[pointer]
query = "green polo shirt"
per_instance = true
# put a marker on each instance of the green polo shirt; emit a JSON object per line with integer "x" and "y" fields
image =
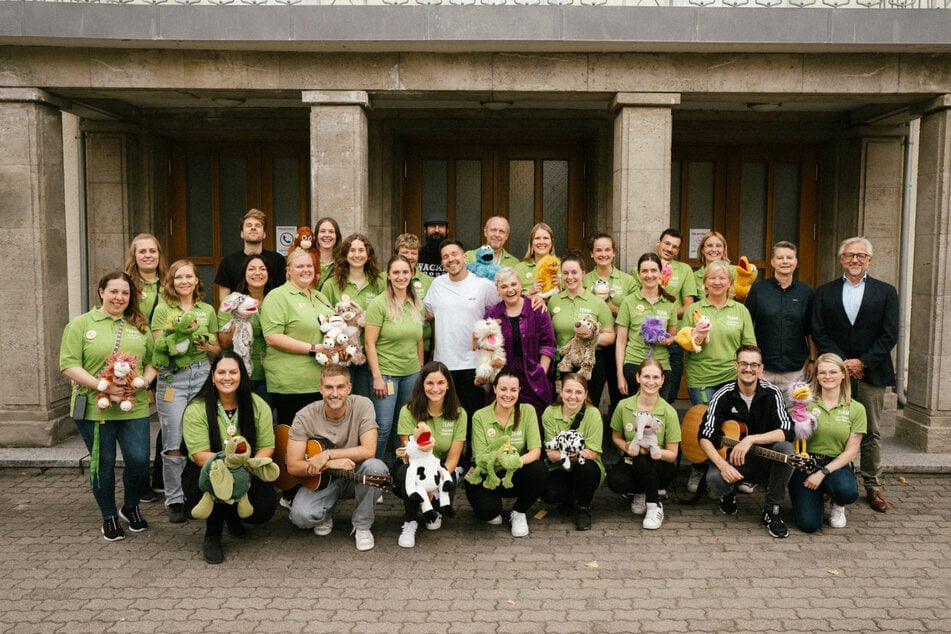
{"x": 362, "y": 295}
{"x": 698, "y": 279}
{"x": 682, "y": 282}
{"x": 258, "y": 345}
{"x": 507, "y": 259}
{"x": 623, "y": 420}
{"x": 732, "y": 327}
{"x": 88, "y": 341}
{"x": 396, "y": 345}
{"x": 485, "y": 429}
{"x": 565, "y": 311}
{"x": 421, "y": 283}
{"x": 326, "y": 268}
{"x": 195, "y": 426}
{"x": 444, "y": 431}
{"x": 149, "y": 297}
{"x": 289, "y": 310}
{"x": 591, "y": 428}
{"x": 620, "y": 283}
{"x": 834, "y": 426}
{"x": 204, "y": 313}
{"x": 633, "y": 313}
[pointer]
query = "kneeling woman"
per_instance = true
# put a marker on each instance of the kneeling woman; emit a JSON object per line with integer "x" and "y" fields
{"x": 574, "y": 487}
{"x": 226, "y": 398}
{"x": 834, "y": 444}
{"x": 506, "y": 418}
{"x": 641, "y": 471}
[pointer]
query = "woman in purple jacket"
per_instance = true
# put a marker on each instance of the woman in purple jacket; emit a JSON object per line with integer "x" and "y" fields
{"x": 529, "y": 340}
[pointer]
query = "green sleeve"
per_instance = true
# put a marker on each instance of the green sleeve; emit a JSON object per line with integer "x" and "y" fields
{"x": 624, "y": 313}
{"x": 406, "y": 423}
{"x": 592, "y": 429}
{"x": 461, "y": 426}
{"x": 264, "y": 423}
{"x": 479, "y": 442}
{"x": 71, "y": 348}
{"x": 376, "y": 311}
{"x": 550, "y": 422}
{"x": 195, "y": 428}
{"x": 533, "y": 439}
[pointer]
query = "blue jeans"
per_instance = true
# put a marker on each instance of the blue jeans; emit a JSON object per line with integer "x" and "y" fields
{"x": 186, "y": 383}
{"x": 809, "y": 505}
{"x": 133, "y": 439}
{"x": 311, "y": 508}
{"x": 362, "y": 380}
{"x": 701, "y": 395}
{"x": 387, "y": 409}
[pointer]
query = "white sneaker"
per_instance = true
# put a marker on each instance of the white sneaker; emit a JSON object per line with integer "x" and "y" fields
{"x": 364, "y": 538}
{"x": 654, "y": 517}
{"x": 284, "y": 502}
{"x": 323, "y": 529}
{"x": 837, "y": 516}
{"x": 379, "y": 500}
{"x": 661, "y": 494}
{"x": 746, "y": 487}
{"x": 693, "y": 483}
{"x": 495, "y": 521}
{"x": 639, "y": 504}
{"x": 434, "y": 525}
{"x": 519, "y": 524}
{"x": 407, "y": 535}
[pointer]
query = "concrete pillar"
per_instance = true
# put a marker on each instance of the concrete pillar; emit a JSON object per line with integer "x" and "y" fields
{"x": 339, "y": 157}
{"x": 33, "y": 393}
{"x": 641, "y": 171}
{"x": 926, "y": 419}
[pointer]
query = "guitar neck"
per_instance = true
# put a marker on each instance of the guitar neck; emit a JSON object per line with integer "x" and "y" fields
{"x": 756, "y": 450}
{"x": 379, "y": 482}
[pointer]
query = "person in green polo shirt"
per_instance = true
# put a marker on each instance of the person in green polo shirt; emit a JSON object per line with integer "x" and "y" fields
{"x": 407, "y": 245}
{"x": 496, "y": 232}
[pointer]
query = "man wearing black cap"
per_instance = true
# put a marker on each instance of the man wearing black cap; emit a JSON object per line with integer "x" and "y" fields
{"x": 430, "y": 260}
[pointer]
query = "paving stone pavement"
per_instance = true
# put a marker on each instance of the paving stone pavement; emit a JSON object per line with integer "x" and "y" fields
{"x": 701, "y": 572}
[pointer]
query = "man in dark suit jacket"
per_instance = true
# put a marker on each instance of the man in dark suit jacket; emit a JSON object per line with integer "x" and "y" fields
{"x": 856, "y": 317}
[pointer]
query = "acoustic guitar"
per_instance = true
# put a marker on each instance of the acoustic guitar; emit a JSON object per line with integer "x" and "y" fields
{"x": 730, "y": 434}
{"x": 315, "y": 446}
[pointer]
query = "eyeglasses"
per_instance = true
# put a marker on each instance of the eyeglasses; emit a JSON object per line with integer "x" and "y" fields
{"x": 746, "y": 364}
{"x": 861, "y": 257}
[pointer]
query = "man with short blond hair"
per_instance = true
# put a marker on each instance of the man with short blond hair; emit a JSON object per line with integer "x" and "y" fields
{"x": 231, "y": 270}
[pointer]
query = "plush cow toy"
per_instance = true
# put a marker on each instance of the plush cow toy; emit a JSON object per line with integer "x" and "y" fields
{"x": 119, "y": 370}
{"x": 242, "y": 309}
{"x": 570, "y": 443}
{"x": 426, "y": 478}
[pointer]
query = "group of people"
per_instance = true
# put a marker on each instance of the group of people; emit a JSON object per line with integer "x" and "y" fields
{"x": 421, "y": 368}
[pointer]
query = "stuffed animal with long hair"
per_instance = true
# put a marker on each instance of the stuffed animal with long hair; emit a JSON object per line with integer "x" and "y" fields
{"x": 804, "y": 421}
{"x": 119, "y": 371}
{"x": 490, "y": 350}
{"x": 653, "y": 332}
{"x": 546, "y": 272}
{"x": 242, "y": 309}
{"x": 484, "y": 265}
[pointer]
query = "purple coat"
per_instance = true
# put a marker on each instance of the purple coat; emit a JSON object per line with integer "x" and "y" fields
{"x": 538, "y": 338}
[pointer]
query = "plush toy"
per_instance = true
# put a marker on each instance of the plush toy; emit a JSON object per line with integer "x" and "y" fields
{"x": 306, "y": 241}
{"x": 570, "y": 443}
{"x": 242, "y": 308}
{"x": 546, "y": 272}
{"x": 351, "y": 352}
{"x": 646, "y": 435}
{"x": 601, "y": 289}
{"x": 502, "y": 455}
{"x": 691, "y": 338}
{"x": 804, "y": 421}
{"x": 426, "y": 478}
{"x": 666, "y": 272}
{"x": 484, "y": 265}
{"x": 119, "y": 370}
{"x": 226, "y": 478}
{"x": 176, "y": 338}
{"x": 490, "y": 350}
{"x": 579, "y": 351}
{"x": 653, "y": 332}
{"x": 746, "y": 273}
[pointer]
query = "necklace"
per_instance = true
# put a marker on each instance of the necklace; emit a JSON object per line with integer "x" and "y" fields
{"x": 229, "y": 415}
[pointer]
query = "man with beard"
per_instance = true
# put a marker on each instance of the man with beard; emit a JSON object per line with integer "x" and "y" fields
{"x": 430, "y": 261}
{"x": 231, "y": 270}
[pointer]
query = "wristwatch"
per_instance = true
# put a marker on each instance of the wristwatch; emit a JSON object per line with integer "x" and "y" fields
{"x": 313, "y": 350}
{"x": 825, "y": 471}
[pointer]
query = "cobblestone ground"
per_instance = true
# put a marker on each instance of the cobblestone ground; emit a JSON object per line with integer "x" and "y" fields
{"x": 701, "y": 572}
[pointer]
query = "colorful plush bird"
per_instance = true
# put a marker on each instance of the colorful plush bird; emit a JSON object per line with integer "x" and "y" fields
{"x": 746, "y": 273}
{"x": 804, "y": 421}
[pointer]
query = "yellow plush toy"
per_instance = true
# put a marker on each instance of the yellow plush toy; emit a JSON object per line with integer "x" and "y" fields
{"x": 547, "y": 274}
{"x": 746, "y": 273}
{"x": 691, "y": 338}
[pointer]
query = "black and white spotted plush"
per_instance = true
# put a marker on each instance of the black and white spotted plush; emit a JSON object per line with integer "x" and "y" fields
{"x": 570, "y": 443}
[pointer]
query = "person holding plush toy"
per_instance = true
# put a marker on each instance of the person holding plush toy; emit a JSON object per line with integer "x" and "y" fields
{"x": 541, "y": 242}
{"x": 394, "y": 346}
{"x": 433, "y": 401}
{"x": 574, "y": 487}
{"x": 515, "y": 422}
{"x": 182, "y": 377}
{"x": 88, "y": 341}
{"x": 645, "y": 466}
{"x": 225, "y": 408}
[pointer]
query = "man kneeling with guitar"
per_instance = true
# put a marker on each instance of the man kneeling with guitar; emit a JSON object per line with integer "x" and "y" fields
{"x": 341, "y": 462}
{"x": 759, "y": 405}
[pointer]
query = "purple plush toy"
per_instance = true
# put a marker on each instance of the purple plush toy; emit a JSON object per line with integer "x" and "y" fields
{"x": 653, "y": 331}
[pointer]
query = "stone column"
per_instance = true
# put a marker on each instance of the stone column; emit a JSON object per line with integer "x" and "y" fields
{"x": 339, "y": 157}
{"x": 642, "y": 139}
{"x": 33, "y": 393}
{"x": 926, "y": 419}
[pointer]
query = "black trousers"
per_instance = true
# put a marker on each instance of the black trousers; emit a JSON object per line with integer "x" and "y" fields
{"x": 642, "y": 474}
{"x": 579, "y": 483}
{"x": 527, "y": 485}
{"x": 262, "y": 496}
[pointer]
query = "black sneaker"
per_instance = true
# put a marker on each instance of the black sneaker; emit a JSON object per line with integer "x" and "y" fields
{"x": 147, "y": 494}
{"x": 211, "y": 549}
{"x": 773, "y": 521}
{"x": 235, "y": 526}
{"x": 728, "y": 505}
{"x": 133, "y": 518}
{"x": 176, "y": 513}
{"x": 111, "y": 530}
{"x": 583, "y": 519}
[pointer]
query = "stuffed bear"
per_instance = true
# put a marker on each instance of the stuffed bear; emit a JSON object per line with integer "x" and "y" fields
{"x": 355, "y": 319}
{"x": 426, "y": 478}
{"x": 226, "y": 478}
{"x": 580, "y": 349}
{"x": 306, "y": 240}
{"x": 546, "y": 272}
{"x": 242, "y": 308}
{"x": 500, "y": 454}
{"x": 484, "y": 265}
{"x": 570, "y": 443}
{"x": 804, "y": 421}
{"x": 177, "y": 337}
{"x": 646, "y": 435}
{"x": 119, "y": 370}
{"x": 746, "y": 273}
{"x": 691, "y": 338}
{"x": 653, "y": 332}
{"x": 490, "y": 350}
